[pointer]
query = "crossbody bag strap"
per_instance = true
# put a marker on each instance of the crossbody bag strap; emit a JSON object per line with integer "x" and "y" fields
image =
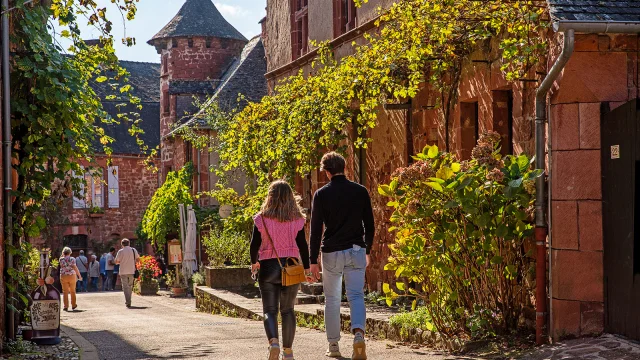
{"x": 270, "y": 239}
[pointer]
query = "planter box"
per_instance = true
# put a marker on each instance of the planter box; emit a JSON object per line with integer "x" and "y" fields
{"x": 228, "y": 277}
{"x": 147, "y": 288}
{"x": 96, "y": 215}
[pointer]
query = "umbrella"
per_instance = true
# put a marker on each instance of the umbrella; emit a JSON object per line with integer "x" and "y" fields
{"x": 189, "y": 263}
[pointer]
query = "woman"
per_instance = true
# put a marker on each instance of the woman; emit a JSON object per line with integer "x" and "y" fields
{"x": 284, "y": 221}
{"x": 69, "y": 275}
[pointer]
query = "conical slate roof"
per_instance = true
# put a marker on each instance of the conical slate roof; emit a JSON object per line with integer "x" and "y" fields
{"x": 198, "y": 18}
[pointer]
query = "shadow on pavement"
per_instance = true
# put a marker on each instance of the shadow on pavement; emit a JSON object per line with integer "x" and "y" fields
{"x": 133, "y": 307}
{"x": 115, "y": 347}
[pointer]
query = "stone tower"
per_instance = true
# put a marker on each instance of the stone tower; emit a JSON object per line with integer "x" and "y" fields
{"x": 196, "y": 48}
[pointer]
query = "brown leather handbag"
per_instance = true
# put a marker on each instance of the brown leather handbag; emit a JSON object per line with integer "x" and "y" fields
{"x": 291, "y": 274}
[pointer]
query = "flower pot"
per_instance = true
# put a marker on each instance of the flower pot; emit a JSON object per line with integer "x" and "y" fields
{"x": 95, "y": 215}
{"x": 179, "y": 291}
{"x": 228, "y": 277}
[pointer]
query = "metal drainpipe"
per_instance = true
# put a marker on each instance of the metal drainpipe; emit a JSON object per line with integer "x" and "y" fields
{"x": 199, "y": 204}
{"x": 6, "y": 153}
{"x": 541, "y": 221}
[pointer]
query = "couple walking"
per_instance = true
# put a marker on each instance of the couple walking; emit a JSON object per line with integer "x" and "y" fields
{"x": 343, "y": 209}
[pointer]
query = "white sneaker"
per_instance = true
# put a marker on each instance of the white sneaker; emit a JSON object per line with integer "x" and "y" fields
{"x": 334, "y": 350}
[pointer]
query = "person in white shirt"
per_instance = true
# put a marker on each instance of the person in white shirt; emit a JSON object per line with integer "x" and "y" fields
{"x": 127, "y": 258}
{"x": 108, "y": 284}
{"x": 83, "y": 265}
{"x": 94, "y": 272}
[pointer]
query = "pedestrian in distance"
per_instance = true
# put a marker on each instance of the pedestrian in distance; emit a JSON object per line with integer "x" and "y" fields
{"x": 343, "y": 210}
{"x": 116, "y": 271}
{"x": 94, "y": 273}
{"x": 69, "y": 275}
{"x": 109, "y": 266}
{"x": 83, "y": 265}
{"x": 278, "y": 237}
{"x": 127, "y": 258}
{"x": 103, "y": 270}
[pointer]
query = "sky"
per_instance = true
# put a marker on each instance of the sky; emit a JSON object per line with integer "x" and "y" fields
{"x": 154, "y": 14}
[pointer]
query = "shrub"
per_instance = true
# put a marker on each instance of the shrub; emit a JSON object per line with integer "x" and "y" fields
{"x": 420, "y": 318}
{"x": 227, "y": 247}
{"x": 462, "y": 237}
{"x": 198, "y": 279}
{"x": 149, "y": 268}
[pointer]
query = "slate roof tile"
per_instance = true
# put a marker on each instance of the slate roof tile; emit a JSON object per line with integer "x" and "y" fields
{"x": 590, "y": 10}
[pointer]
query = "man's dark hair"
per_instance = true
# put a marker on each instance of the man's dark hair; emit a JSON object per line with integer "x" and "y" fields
{"x": 333, "y": 163}
{"x": 112, "y": 249}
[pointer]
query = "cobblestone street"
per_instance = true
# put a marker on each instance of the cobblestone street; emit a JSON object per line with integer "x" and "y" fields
{"x": 606, "y": 347}
{"x": 159, "y": 327}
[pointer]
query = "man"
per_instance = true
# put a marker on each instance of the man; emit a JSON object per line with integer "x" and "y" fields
{"x": 127, "y": 258}
{"x": 94, "y": 272}
{"x": 344, "y": 209}
{"x": 110, "y": 264}
{"x": 83, "y": 266}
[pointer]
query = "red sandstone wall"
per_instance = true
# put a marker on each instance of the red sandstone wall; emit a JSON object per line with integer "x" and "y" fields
{"x": 189, "y": 61}
{"x": 603, "y": 69}
{"x": 137, "y": 185}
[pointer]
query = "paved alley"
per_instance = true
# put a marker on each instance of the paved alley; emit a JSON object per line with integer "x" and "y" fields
{"x": 163, "y": 328}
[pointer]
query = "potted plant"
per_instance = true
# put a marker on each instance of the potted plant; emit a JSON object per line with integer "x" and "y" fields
{"x": 96, "y": 212}
{"x": 229, "y": 259}
{"x": 175, "y": 282}
{"x": 147, "y": 283}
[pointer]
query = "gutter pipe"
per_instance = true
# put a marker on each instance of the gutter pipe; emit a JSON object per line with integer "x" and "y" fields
{"x": 569, "y": 28}
{"x": 6, "y": 157}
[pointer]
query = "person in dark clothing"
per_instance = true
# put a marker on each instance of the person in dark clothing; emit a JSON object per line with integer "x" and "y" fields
{"x": 278, "y": 234}
{"x": 343, "y": 208}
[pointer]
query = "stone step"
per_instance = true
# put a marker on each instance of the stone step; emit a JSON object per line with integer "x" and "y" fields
{"x": 303, "y": 298}
{"x": 311, "y": 288}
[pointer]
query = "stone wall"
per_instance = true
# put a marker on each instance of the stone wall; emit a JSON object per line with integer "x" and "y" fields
{"x": 603, "y": 69}
{"x": 137, "y": 185}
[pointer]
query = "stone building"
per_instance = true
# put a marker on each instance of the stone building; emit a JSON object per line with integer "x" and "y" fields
{"x": 116, "y": 196}
{"x": 197, "y": 48}
{"x": 591, "y": 143}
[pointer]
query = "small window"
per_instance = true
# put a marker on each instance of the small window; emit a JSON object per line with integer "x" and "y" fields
{"x": 188, "y": 150}
{"x": 91, "y": 193}
{"x": 469, "y": 128}
{"x": 208, "y": 43}
{"x": 299, "y": 28}
{"x": 190, "y": 42}
{"x": 503, "y": 119}
{"x": 166, "y": 102}
{"x": 344, "y": 16}
{"x": 165, "y": 64}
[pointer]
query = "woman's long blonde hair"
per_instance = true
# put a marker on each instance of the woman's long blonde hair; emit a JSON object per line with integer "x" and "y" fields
{"x": 281, "y": 203}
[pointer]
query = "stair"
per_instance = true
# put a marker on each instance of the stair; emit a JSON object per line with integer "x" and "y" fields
{"x": 310, "y": 293}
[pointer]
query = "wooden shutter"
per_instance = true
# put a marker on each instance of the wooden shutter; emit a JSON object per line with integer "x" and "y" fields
{"x": 81, "y": 201}
{"x": 113, "y": 183}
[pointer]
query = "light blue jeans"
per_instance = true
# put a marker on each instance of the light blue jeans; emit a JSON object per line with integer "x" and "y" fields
{"x": 351, "y": 264}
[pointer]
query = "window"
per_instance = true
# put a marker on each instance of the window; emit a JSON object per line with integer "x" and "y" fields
{"x": 344, "y": 16}
{"x": 90, "y": 194}
{"x": 469, "y": 127}
{"x": 166, "y": 102}
{"x": 113, "y": 183}
{"x": 299, "y": 28}
{"x": 503, "y": 119}
{"x": 165, "y": 64}
{"x": 75, "y": 242}
{"x": 188, "y": 152}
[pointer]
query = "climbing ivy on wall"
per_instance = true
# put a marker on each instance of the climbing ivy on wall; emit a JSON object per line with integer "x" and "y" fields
{"x": 418, "y": 43}
{"x": 57, "y": 119}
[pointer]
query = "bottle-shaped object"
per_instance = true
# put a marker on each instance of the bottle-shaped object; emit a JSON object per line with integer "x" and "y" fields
{"x": 45, "y": 308}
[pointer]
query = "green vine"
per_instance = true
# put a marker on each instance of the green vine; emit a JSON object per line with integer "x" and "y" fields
{"x": 419, "y": 44}
{"x": 162, "y": 216}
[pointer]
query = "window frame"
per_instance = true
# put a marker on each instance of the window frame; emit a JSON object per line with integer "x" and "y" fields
{"x": 299, "y": 28}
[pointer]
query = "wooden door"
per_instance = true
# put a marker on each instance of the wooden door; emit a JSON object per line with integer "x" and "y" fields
{"x": 620, "y": 171}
